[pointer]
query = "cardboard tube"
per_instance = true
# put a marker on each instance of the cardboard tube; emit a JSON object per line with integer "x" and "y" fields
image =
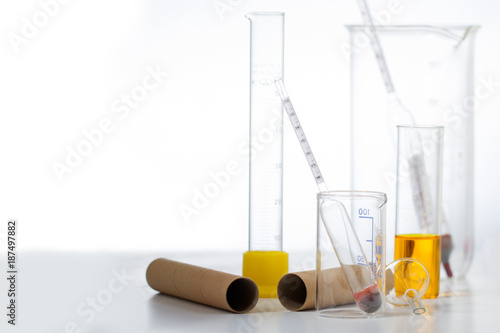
{"x": 389, "y": 281}
{"x": 297, "y": 291}
{"x": 202, "y": 285}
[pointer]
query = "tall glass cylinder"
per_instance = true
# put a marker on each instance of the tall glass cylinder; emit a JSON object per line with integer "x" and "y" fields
{"x": 432, "y": 73}
{"x": 265, "y": 262}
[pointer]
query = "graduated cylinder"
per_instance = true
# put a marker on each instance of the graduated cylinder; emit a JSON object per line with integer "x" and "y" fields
{"x": 265, "y": 262}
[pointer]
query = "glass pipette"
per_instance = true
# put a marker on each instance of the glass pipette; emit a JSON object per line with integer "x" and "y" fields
{"x": 300, "y": 135}
{"x": 379, "y": 54}
{"x": 338, "y": 225}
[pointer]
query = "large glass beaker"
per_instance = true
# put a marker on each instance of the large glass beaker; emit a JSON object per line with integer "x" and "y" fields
{"x": 432, "y": 72}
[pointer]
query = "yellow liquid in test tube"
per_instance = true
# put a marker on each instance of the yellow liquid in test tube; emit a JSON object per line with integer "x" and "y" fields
{"x": 427, "y": 249}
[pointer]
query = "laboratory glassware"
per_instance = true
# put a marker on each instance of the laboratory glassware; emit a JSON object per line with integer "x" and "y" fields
{"x": 371, "y": 33}
{"x": 418, "y": 227}
{"x": 432, "y": 70}
{"x": 406, "y": 282}
{"x": 265, "y": 262}
{"x": 396, "y": 107}
{"x": 363, "y": 278}
{"x": 362, "y": 259}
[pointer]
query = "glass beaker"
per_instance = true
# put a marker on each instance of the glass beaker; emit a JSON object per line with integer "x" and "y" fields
{"x": 265, "y": 262}
{"x": 366, "y": 211}
{"x": 418, "y": 199}
{"x": 432, "y": 72}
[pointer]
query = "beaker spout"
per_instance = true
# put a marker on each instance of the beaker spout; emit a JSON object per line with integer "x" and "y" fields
{"x": 467, "y": 32}
{"x": 382, "y": 200}
{"x": 253, "y": 15}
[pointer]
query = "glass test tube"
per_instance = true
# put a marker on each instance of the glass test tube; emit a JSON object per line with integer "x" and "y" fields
{"x": 265, "y": 262}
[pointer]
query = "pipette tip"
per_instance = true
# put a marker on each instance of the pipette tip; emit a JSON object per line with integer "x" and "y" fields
{"x": 369, "y": 300}
{"x": 446, "y": 248}
{"x": 448, "y": 269}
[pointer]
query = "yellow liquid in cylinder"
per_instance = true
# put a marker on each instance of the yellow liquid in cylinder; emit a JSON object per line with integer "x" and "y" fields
{"x": 426, "y": 248}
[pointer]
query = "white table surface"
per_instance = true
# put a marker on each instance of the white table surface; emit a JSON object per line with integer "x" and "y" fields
{"x": 56, "y": 290}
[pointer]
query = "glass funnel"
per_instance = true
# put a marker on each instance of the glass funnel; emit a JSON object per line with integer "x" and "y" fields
{"x": 406, "y": 282}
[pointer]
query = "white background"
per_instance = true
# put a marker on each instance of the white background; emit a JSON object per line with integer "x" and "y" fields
{"x": 126, "y": 194}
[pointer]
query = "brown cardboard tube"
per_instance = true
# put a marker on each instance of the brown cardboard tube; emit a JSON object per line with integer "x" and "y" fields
{"x": 202, "y": 285}
{"x": 297, "y": 291}
{"x": 389, "y": 281}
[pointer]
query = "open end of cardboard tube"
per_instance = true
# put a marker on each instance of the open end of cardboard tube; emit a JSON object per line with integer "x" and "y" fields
{"x": 292, "y": 292}
{"x": 242, "y": 295}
